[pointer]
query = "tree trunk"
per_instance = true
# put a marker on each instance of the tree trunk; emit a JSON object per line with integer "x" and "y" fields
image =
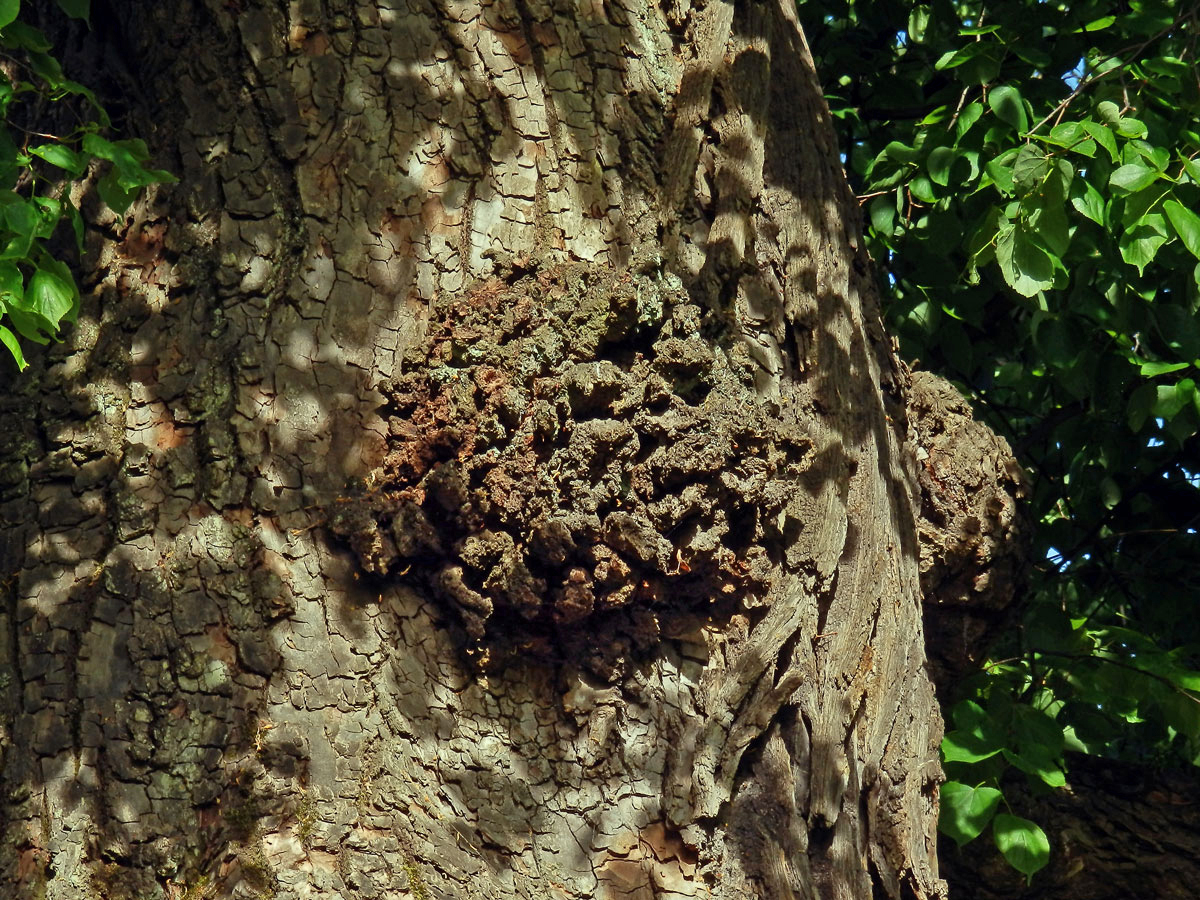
{"x": 483, "y": 475}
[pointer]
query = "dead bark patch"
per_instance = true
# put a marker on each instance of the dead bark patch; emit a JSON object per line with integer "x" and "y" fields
{"x": 573, "y": 457}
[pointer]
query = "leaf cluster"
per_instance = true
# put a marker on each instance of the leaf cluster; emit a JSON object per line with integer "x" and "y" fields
{"x": 38, "y": 292}
{"x": 1030, "y": 176}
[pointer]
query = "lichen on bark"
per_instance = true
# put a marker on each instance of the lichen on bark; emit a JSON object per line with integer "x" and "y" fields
{"x": 574, "y": 445}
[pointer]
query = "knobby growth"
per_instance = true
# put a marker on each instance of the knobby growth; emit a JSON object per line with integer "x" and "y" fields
{"x": 569, "y": 448}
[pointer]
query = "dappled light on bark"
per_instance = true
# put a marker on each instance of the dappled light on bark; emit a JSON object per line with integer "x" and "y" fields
{"x": 267, "y": 673}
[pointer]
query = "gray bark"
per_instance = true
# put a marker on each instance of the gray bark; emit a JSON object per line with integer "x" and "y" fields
{"x": 213, "y": 686}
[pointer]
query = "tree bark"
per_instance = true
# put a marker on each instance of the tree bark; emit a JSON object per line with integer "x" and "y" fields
{"x": 232, "y": 667}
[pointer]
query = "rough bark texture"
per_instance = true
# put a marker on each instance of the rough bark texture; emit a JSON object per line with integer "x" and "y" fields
{"x": 245, "y": 656}
{"x": 973, "y": 529}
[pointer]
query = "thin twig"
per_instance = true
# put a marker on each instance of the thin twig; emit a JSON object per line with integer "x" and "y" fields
{"x": 1135, "y": 49}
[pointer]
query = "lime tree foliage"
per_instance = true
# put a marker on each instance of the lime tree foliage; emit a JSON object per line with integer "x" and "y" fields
{"x": 38, "y": 293}
{"x": 1030, "y": 177}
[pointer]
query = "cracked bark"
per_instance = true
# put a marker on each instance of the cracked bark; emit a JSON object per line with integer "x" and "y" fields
{"x": 205, "y": 690}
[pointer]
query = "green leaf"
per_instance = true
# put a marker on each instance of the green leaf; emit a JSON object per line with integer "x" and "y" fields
{"x": 14, "y": 347}
{"x": 1151, "y": 369}
{"x": 883, "y": 215}
{"x": 968, "y": 117}
{"x": 1186, "y": 224}
{"x": 1021, "y": 842}
{"x": 1032, "y": 52}
{"x": 1137, "y": 206}
{"x": 1168, "y": 65}
{"x": 1030, "y": 168}
{"x": 21, "y": 217}
{"x": 977, "y": 736}
{"x": 47, "y": 68}
{"x": 1133, "y": 177}
{"x": 30, "y": 325}
{"x": 12, "y": 285}
{"x": 1025, "y": 266}
{"x": 1139, "y": 244}
{"x": 62, "y": 156}
{"x": 1066, "y": 134}
{"x": 966, "y": 810}
{"x": 1109, "y": 111}
{"x": 1158, "y": 157}
{"x": 985, "y": 234}
{"x": 1169, "y": 399}
{"x": 74, "y": 87}
{"x": 937, "y": 115}
{"x": 922, "y": 189}
{"x": 19, "y": 34}
{"x": 22, "y": 220}
{"x": 1086, "y": 147}
{"x": 76, "y": 220}
{"x": 1096, "y": 24}
{"x": 1141, "y": 402}
{"x": 50, "y": 212}
{"x": 1038, "y": 766}
{"x": 1103, "y": 136}
{"x": 76, "y": 9}
{"x": 1088, "y": 202}
{"x": 958, "y": 746}
{"x": 979, "y": 29}
{"x": 939, "y": 163}
{"x": 118, "y": 198}
{"x": 901, "y": 152}
{"x": 1110, "y": 492}
{"x": 1131, "y": 128}
{"x": 979, "y": 62}
{"x": 51, "y": 296}
{"x": 127, "y": 158}
{"x": 918, "y": 20}
{"x": 1046, "y": 215}
{"x": 9, "y": 9}
{"x": 1006, "y": 103}
{"x": 1058, "y": 341}
{"x": 948, "y": 60}
{"x": 127, "y": 153}
{"x": 1049, "y": 628}
{"x": 1000, "y": 170}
